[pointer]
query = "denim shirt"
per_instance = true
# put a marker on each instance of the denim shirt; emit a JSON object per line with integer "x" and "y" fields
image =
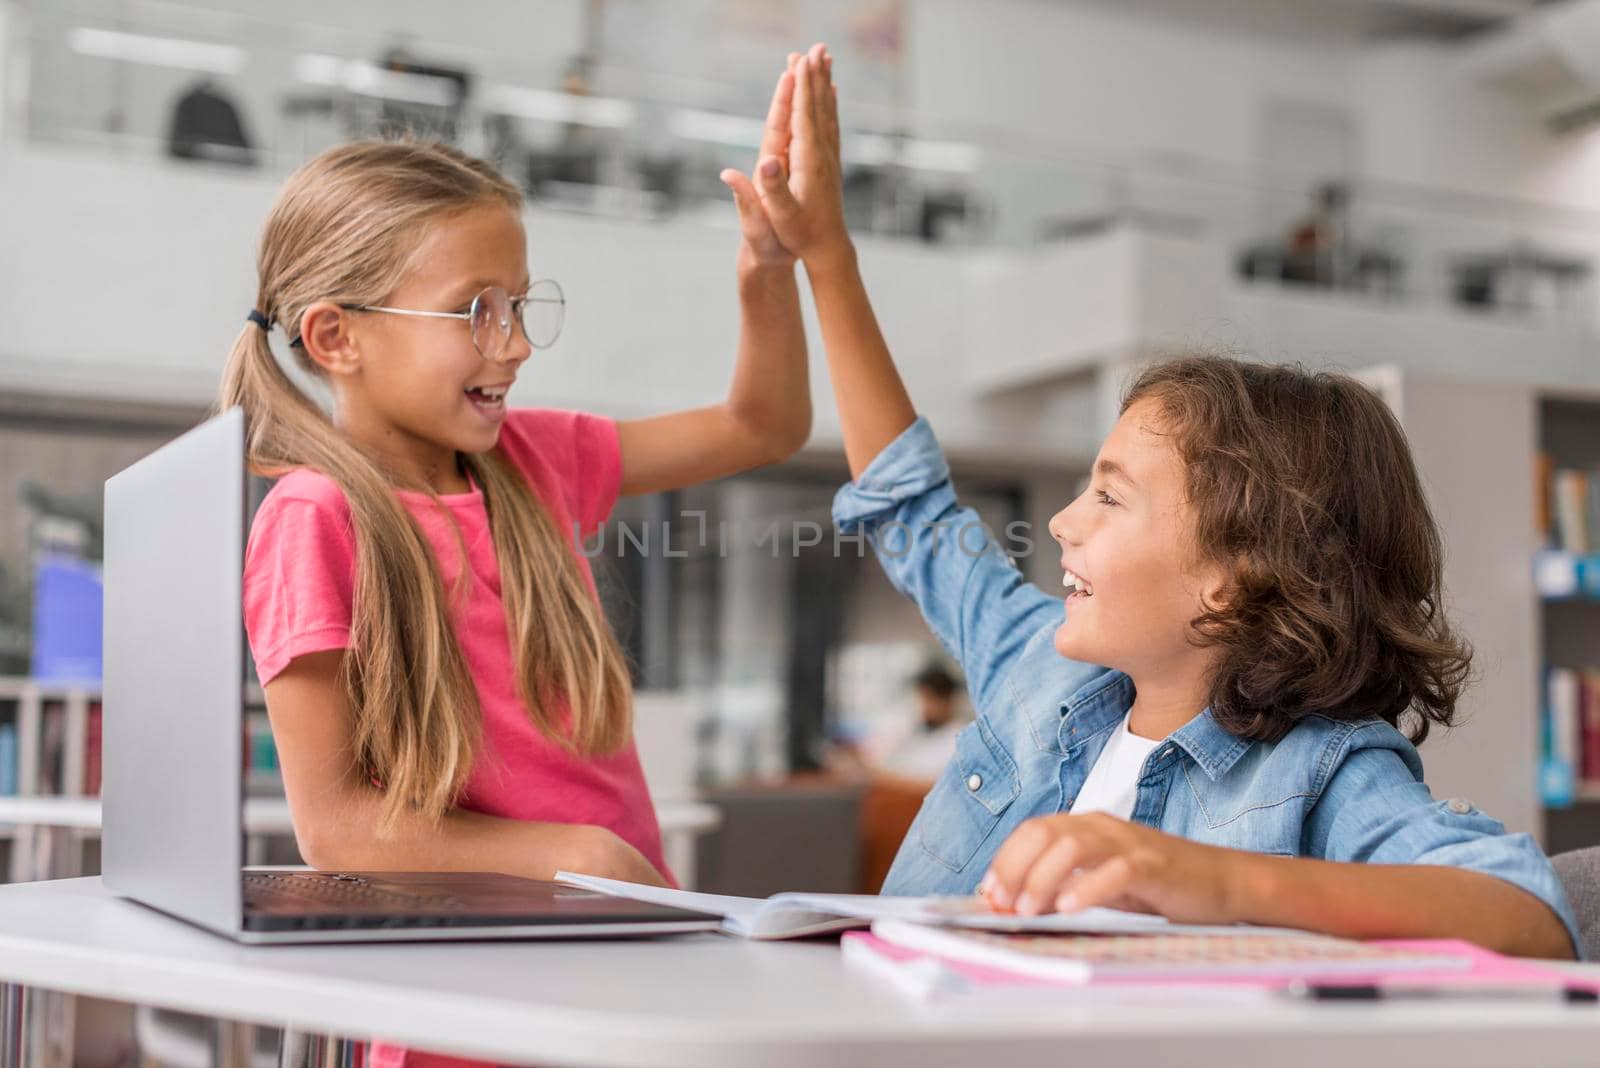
{"x": 1331, "y": 789}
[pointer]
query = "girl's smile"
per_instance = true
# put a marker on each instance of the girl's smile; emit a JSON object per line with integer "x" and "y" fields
{"x": 490, "y": 401}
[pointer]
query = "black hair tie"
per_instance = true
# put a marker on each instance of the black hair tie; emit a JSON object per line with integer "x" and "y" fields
{"x": 260, "y": 320}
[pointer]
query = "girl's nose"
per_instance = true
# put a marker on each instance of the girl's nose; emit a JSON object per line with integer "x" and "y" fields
{"x": 517, "y": 349}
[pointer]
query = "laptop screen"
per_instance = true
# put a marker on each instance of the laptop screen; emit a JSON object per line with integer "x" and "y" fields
{"x": 172, "y": 789}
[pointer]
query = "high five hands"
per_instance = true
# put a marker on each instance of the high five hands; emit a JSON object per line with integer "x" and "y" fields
{"x": 794, "y": 206}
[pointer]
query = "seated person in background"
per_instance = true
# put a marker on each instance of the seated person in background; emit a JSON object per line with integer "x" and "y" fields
{"x": 920, "y": 747}
{"x": 1315, "y": 243}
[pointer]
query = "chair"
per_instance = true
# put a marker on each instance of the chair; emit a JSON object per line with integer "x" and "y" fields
{"x": 1579, "y": 872}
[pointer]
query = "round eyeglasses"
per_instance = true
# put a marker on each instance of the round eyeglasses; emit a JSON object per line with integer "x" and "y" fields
{"x": 541, "y": 313}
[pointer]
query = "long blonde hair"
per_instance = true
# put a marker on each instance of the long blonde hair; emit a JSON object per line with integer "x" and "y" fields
{"x": 344, "y": 229}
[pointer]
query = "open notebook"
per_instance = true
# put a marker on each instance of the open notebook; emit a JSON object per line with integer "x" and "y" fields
{"x": 801, "y": 915}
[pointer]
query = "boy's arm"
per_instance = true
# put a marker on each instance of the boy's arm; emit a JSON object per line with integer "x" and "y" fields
{"x": 1068, "y": 862}
{"x": 1399, "y": 901}
{"x": 1381, "y": 858}
{"x": 933, "y": 550}
{"x": 767, "y": 414}
{"x": 806, "y": 208}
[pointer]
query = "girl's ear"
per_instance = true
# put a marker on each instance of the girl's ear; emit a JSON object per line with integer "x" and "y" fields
{"x": 326, "y": 337}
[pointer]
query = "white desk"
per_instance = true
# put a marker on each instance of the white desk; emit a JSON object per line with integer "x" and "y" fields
{"x": 708, "y": 1000}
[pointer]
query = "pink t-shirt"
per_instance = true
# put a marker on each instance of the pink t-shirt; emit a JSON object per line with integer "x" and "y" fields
{"x": 298, "y": 582}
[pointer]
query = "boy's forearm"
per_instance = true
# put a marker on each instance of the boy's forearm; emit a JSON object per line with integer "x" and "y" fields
{"x": 874, "y": 407}
{"x": 771, "y": 390}
{"x": 1398, "y": 901}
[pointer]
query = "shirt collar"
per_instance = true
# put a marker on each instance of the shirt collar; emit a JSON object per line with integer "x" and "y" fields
{"x": 1102, "y": 703}
{"x": 1213, "y": 748}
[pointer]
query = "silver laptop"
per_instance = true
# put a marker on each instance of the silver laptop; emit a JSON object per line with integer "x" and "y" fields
{"x": 173, "y": 785}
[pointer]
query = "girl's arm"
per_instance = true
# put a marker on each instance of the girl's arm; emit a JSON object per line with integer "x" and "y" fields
{"x": 336, "y": 813}
{"x": 767, "y": 414}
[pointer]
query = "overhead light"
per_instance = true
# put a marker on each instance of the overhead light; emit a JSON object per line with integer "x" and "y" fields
{"x": 157, "y": 51}
{"x": 551, "y": 106}
{"x": 371, "y": 79}
{"x": 877, "y": 150}
{"x": 943, "y": 156}
{"x": 717, "y": 127}
{"x": 866, "y": 149}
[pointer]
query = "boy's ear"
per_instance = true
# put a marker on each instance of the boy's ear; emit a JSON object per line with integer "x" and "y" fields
{"x": 1216, "y": 586}
{"x": 327, "y": 338}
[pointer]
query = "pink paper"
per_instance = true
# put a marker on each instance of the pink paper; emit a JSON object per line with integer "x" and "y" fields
{"x": 1484, "y": 968}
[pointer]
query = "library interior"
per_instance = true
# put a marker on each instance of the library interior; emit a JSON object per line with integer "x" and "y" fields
{"x": 1331, "y": 262}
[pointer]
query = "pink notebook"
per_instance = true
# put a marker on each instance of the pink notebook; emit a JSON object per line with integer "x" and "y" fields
{"x": 927, "y": 976}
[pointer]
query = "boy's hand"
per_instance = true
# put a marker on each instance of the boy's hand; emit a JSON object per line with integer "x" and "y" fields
{"x": 762, "y": 248}
{"x": 1065, "y": 863}
{"x": 801, "y": 192}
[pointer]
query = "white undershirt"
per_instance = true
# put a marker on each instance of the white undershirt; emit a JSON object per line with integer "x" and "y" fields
{"x": 1113, "y": 782}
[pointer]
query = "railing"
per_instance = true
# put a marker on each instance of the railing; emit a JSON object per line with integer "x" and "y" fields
{"x": 646, "y": 145}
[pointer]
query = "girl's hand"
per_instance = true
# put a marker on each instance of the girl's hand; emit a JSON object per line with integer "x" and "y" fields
{"x": 801, "y": 192}
{"x": 761, "y": 245}
{"x": 1065, "y": 863}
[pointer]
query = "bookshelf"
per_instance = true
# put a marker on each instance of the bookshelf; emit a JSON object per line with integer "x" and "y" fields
{"x": 50, "y": 752}
{"x": 1566, "y": 570}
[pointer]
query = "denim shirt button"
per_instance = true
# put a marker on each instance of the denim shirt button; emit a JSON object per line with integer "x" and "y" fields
{"x": 1459, "y": 805}
{"x": 974, "y": 782}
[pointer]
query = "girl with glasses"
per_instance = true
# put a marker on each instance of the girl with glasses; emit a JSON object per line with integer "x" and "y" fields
{"x": 443, "y": 687}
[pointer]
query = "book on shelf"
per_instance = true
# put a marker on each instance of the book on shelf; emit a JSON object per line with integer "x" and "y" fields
{"x": 8, "y": 759}
{"x": 1568, "y": 507}
{"x": 91, "y": 750}
{"x": 1570, "y": 735}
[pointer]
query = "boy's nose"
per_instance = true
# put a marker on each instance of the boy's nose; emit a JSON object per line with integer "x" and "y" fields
{"x": 1061, "y": 527}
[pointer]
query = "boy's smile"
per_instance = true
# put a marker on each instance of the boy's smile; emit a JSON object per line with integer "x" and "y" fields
{"x": 1127, "y": 558}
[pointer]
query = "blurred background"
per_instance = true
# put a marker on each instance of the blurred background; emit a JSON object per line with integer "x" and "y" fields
{"x": 1045, "y": 193}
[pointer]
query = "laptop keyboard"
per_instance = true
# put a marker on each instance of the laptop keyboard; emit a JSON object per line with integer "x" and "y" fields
{"x": 345, "y": 891}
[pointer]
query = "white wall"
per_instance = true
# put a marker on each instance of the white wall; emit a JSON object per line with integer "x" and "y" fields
{"x": 1466, "y": 435}
{"x": 132, "y": 279}
{"x": 1095, "y": 83}
{"x": 1072, "y": 74}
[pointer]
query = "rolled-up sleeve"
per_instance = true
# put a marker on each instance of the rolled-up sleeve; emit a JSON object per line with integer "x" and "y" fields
{"x": 943, "y": 557}
{"x": 1376, "y": 808}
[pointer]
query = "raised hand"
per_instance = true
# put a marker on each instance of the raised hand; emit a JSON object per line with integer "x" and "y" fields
{"x": 760, "y": 239}
{"x": 801, "y": 192}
